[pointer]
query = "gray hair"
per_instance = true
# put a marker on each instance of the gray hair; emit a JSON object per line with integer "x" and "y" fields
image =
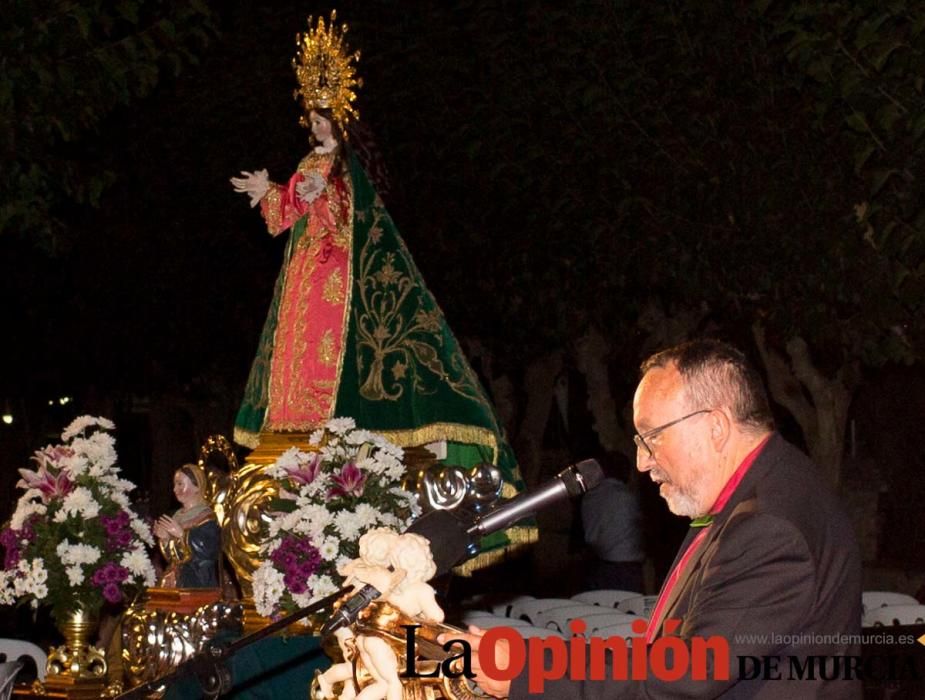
{"x": 716, "y": 374}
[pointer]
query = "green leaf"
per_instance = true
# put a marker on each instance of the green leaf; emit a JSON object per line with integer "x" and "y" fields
{"x": 884, "y": 54}
{"x": 861, "y": 157}
{"x": 856, "y": 121}
{"x": 879, "y": 178}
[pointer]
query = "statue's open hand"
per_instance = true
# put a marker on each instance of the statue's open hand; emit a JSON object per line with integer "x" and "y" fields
{"x": 309, "y": 189}
{"x": 254, "y": 184}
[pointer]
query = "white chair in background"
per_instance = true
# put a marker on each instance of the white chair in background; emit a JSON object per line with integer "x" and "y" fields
{"x": 504, "y": 607}
{"x": 15, "y": 649}
{"x": 883, "y": 599}
{"x": 530, "y": 609}
{"x": 487, "y": 620}
{"x": 541, "y": 632}
{"x": 559, "y": 617}
{"x": 8, "y": 671}
{"x": 598, "y": 624}
{"x": 605, "y": 598}
{"x": 640, "y": 605}
{"x": 894, "y": 615}
{"x": 624, "y": 629}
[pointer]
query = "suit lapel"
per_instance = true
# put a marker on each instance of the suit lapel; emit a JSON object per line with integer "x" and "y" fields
{"x": 768, "y": 456}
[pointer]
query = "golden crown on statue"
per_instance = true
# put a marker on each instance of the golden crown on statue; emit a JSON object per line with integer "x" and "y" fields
{"x": 326, "y": 71}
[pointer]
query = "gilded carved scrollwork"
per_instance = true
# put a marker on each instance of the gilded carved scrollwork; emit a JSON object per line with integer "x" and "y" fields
{"x": 155, "y": 642}
{"x": 219, "y": 482}
{"x": 247, "y": 517}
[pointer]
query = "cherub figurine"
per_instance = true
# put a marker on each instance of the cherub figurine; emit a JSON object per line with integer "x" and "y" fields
{"x": 398, "y": 566}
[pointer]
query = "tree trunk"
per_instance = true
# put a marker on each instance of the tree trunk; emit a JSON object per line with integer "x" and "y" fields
{"x": 591, "y": 354}
{"x": 824, "y": 415}
{"x": 539, "y": 382}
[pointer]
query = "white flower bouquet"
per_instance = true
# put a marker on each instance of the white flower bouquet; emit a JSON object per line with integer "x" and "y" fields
{"x": 349, "y": 483}
{"x": 74, "y": 542}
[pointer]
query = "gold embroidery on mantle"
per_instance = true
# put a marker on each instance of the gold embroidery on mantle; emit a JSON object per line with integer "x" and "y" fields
{"x": 326, "y": 348}
{"x": 333, "y": 291}
{"x": 392, "y": 324}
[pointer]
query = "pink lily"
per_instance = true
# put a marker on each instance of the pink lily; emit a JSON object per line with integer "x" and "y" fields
{"x": 350, "y": 481}
{"x": 306, "y": 472}
{"x": 49, "y": 484}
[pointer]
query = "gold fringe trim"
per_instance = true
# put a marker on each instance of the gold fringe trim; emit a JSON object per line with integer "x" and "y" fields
{"x": 520, "y": 538}
{"x": 246, "y": 438}
{"x": 454, "y": 432}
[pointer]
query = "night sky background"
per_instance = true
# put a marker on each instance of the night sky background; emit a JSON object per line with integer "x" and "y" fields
{"x": 551, "y": 170}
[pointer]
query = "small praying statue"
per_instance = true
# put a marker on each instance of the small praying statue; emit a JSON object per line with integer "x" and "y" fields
{"x": 190, "y": 539}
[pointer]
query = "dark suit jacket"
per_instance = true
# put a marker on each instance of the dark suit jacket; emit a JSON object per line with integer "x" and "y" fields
{"x": 779, "y": 574}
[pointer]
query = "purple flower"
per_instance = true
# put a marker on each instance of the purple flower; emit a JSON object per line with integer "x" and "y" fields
{"x": 112, "y": 593}
{"x": 298, "y": 559}
{"x": 349, "y": 482}
{"x": 11, "y": 540}
{"x": 118, "y": 532}
{"x": 109, "y": 573}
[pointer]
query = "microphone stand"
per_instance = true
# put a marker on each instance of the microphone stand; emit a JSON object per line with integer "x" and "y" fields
{"x": 208, "y": 665}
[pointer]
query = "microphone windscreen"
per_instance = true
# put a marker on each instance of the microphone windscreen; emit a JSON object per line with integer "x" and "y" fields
{"x": 590, "y": 473}
{"x": 448, "y": 537}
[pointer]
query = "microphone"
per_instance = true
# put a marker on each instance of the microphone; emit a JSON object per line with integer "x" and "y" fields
{"x": 452, "y": 540}
{"x": 570, "y": 482}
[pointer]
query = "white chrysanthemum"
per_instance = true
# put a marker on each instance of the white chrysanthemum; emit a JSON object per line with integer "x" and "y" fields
{"x": 302, "y": 599}
{"x": 120, "y": 499}
{"x": 329, "y": 549}
{"x": 80, "y": 501}
{"x": 31, "y": 578}
{"x": 391, "y": 521}
{"x": 367, "y": 515}
{"x": 141, "y": 529}
{"x": 78, "y": 425}
{"x": 75, "y": 554}
{"x": 315, "y": 437}
{"x": 24, "y": 511}
{"x": 316, "y": 514}
{"x": 99, "y": 450}
{"x": 339, "y": 426}
{"x": 139, "y": 564}
{"x": 117, "y": 483}
{"x": 7, "y": 592}
{"x": 321, "y": 586}
{"x": 30, "y": 494}
{"x": 268, "y": 589}
{"x": 395, "y": 471}
{"x": 75, "y": 574}
{"x": 75, "y": 465}
{"x": 347, "y": 524}
{"x": 291, "y": 459}
{"x": 370, "y": 465}
{"x": 359, "y": 437}
{"x": 315, "y": 490}
{"x": 333, "y": 453}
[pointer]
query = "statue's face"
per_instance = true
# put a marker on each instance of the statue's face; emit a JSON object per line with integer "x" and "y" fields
{"x": 321, "y": 127}
{"x": 185, "y": 490}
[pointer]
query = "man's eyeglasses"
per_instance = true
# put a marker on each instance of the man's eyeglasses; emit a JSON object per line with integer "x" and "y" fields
{"x": 640, "y": 440}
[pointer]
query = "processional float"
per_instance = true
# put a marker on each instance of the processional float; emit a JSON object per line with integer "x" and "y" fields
{"x": 352, "y": 331}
